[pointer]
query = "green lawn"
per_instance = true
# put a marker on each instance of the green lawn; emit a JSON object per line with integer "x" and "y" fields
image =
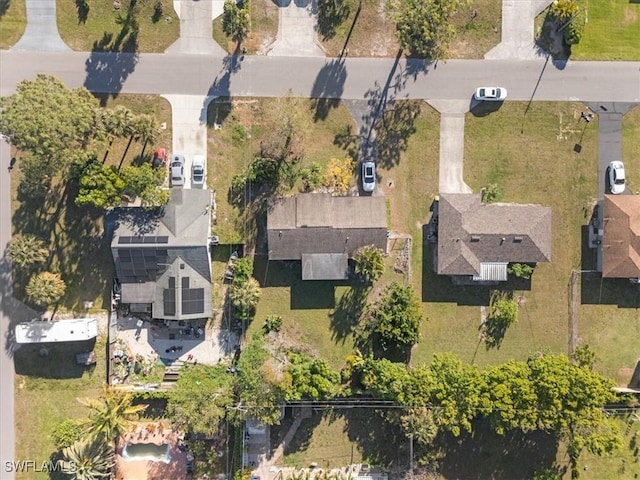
{"x": 612, "y": 31}
{"x": 13, "y": 21}
{"x": 103, "y": 28}
{"x": 46, "y": 389}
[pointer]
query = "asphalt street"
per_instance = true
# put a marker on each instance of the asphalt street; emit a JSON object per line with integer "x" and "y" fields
{"x": 351, "y": 78}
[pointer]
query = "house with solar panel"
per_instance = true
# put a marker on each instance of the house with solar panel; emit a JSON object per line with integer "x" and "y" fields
{"x": 162, "y": 256}
{"x": 323, "y": 232}
{"x": 477, "y": 241}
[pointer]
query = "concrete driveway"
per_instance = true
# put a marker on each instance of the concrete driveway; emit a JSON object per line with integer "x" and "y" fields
{"x": 296, "y": 30}
{"x": 41, "y": 33}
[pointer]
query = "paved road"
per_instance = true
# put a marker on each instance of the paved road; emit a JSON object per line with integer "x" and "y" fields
{"x": 353, "y": 78}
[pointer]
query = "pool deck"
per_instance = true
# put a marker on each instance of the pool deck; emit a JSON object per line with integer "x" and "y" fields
{"x": 127, "y": 469}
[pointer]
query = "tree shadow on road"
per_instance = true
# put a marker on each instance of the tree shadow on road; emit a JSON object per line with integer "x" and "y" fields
{"x": 221, "y": 87}
{"x": 328, "y": 88}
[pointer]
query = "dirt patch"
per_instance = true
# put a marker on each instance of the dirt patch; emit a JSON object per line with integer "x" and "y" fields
{"x": 630, "y": 16}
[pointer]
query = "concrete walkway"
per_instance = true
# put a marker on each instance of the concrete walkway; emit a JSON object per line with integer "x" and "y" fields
{"x": 296, "y": 30}
{"x": 518, "y": 36}
{"x": 41, "y": 33}
{"x": 451, "y": 167}
{"x": 196, "y": 35}
{"x": 189, "y": 126}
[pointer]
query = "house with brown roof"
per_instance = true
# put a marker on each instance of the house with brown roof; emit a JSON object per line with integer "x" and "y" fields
{"x": 323, "y": 231}
{"x": 621, "y": 239}
{"x": 479, "y": 240}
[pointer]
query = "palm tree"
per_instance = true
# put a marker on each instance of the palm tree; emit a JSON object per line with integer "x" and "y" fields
{"x": 369, "y": 262}
{"x": 244, "y": 297}
{"x": 88, "y": 459}
{"x": 117, "y": 123}
{"x": 111, "y": 415}
{"x": 147, "y": 130}
{"x": 26, "y": 251}
{"x": 45, "y": 288}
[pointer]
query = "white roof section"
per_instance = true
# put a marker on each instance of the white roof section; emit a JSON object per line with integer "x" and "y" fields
{"x": 492, "y": 271}
{"x": 75, "y": 330}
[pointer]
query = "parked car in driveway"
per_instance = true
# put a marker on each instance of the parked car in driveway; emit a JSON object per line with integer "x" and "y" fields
{"x": 368, "y": 176}
{"x": 490, "y": 94}
{"x": 198, "y": 170}
{"x": 177, "y": 170}
{"x": 616, "y": 177}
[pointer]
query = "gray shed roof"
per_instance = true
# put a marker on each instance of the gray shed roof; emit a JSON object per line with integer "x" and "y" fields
{"x": 313, "y": 223}
{"x": 471, "y": 232}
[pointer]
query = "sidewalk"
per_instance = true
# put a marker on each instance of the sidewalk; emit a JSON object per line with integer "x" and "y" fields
{"x": 41, "y": 33}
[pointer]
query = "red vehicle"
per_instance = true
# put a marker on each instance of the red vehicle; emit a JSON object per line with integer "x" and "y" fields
{"x": 159, "y": 158}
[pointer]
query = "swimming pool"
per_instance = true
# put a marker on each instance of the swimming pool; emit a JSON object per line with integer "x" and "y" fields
{"x": 146, "y": 451}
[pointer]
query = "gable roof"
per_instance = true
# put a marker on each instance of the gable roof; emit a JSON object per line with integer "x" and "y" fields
{"x": 318, "y": 223}
{"x": 471, "y": 232}
{"x": 621, "y": 241}
{"x": 147, "y": 244}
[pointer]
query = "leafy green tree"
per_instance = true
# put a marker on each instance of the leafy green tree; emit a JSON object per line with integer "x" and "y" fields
{"x": 420, "y": 424}
{"x": 200, "y": 398}
{"x": 66, "y": 433}
{"x": 100, "y": 186}
{"x": 583, "y": 356}
{"x": 152, "y": 197}
{"x": 258, "y": 385}
{"x": 311, "y": 176}
{"x": 564, "y": 9}
{"x": 384, "y": 378}
{"x": 425, "y": 27}
{"x": 37, "y": 174}
{"x": 509, "y": 399}
{"x": 111, "y": 415}
{"x": 147, "y": 130}
{"x": 244, "y": 298}
{"x": 311, "y": 378}
{"x": 456, "y": 391}
{"x": 89, "y": 459}
{"x": 369, "y": 263}
{"x": 45, "y": 289}
{"x": 235, "y": 20}
{"x": 394, "y": 320}
{"x": 140, "y": 179}
{"x": 47, "y": 119}
{"x": 26, "y": 251}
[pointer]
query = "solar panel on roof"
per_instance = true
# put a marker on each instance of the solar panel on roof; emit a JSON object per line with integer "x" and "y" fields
{"x": 192, "y": 301}
{"x": 172, "y": 282}
{"x": 122, "y": 240}
{"x": 162, "y": 239}
{"x": 169, "y": 301}
{"x": 137, "y": 239}
{"x": 185, "y": 282}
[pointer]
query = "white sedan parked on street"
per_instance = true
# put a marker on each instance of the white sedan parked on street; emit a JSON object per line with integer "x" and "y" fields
{"x": 490, "y": 94}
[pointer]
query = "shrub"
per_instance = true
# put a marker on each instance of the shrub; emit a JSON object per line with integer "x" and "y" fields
{"x": 273, "y": 323}
{"x": 490, "y": 193}
{"x": 520, "y": 270}
{"x": 66, "y": 433}
{"x": 243, "y": 270}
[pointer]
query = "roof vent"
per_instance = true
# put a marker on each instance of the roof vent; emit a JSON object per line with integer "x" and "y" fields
{"x": 517, "y": 239}
{"x": 475, "y": 238}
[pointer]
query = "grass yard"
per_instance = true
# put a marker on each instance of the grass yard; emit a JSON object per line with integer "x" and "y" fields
{"x": 103, "y": 28}
{"x": 612, "y": 31}
{"x": 264, "y": 27}
{"x": 13, "y": 21}
{"x": 373, "y": 35}
{"x": 46, "y": 392}
{"x": 79, "y": 250}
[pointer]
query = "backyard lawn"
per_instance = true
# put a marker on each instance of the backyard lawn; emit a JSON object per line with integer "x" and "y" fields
{"x": 46, "y": 389}
{"x": 103, "y": 28}
{"x": 612, "y": 31}
{"x": 13, "y": 20}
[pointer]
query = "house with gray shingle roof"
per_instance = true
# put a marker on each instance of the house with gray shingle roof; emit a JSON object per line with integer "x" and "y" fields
{"x": 162, "y": 256}
{"x": 478, "y": 240}
{"x": 323, "y": 231}
{"x": 621, "y": 239}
